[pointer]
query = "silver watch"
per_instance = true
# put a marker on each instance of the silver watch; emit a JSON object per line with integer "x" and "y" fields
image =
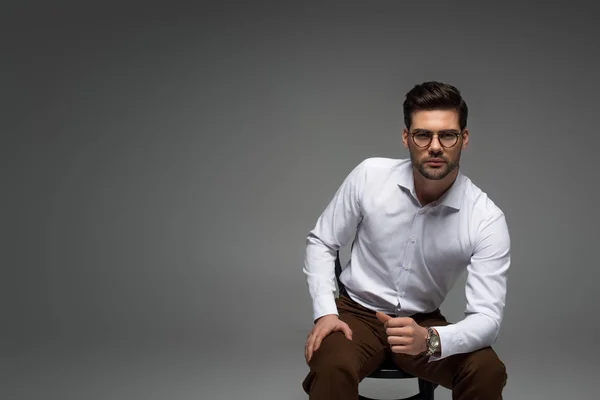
{"x": 433, "y": 342}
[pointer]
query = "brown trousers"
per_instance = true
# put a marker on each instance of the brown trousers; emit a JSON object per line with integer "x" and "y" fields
{"x": 339, "y": 364}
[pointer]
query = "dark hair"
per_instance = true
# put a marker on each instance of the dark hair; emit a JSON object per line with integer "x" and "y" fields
{"x": 435, "y": 96}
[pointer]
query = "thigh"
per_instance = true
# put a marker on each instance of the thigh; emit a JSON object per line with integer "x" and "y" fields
{"x": 442, "y": 372}
{"x": 363, "y": 354}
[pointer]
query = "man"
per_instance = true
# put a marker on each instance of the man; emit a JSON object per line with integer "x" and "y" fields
{"x": 417, "y": 225}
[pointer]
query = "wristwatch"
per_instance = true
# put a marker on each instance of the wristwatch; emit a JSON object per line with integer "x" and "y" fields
{"x": 433, "y": 342}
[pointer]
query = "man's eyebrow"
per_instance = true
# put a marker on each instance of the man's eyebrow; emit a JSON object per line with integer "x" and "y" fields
{"x": 419, "y": 130}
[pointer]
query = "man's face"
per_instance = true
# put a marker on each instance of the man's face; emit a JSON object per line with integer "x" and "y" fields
{"x": 436, "y": 160}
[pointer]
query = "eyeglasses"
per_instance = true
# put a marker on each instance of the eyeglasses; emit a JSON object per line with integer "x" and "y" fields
{"x": 423, "y": 138}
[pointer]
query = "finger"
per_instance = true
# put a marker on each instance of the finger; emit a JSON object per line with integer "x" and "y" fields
{"x": 403, "y": 331}
{"x": 399, "y": 322}
{"x": 405, "y": 349}
{"x": 310, "y": 344}
{"x": 306, "y": 346}
{"x": 401, "y": 349}
{"x": 382, "y": 317}
{"x": 347, "y": 331}
{"x": 315, "y": 342}
{"x": 400, "y": 340}
{"x": 319, "y": 339}
{"x": 306, "y": 349}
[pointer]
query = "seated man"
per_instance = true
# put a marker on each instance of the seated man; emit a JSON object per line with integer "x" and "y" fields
{"x": 417, "y": 225}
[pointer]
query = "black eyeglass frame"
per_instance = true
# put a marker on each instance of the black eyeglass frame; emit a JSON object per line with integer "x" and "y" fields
{"x": 457, "y": 136}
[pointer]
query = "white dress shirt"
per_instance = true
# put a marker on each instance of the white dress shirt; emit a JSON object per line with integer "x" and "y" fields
{"x": 405, "y": 258}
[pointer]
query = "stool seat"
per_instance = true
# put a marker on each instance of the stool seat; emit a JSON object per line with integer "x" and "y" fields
{"x": 388, "y": 370}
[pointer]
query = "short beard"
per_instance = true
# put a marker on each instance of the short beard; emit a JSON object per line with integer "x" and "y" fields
{"x": 434, "y": 174}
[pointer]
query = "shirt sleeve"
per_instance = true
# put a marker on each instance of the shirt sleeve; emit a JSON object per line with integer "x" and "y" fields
{"x": 334, "y": 228}
{"x": 485, "y": 292}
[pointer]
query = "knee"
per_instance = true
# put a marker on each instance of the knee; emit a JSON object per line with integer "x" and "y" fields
{"x": 334, "y": 358}
{"x": 485, "y": 368}
{"x": 333, "y": 371}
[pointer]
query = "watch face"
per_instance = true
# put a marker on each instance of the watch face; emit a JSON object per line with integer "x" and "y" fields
{"x": 434, "y": 340}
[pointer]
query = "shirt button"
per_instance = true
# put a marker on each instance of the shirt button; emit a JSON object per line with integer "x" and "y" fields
{"x": 401, "y": 293}
{"x": 407, "y": 267}
{"x": 421, "y": 211}
{"x": 412, "y": 240}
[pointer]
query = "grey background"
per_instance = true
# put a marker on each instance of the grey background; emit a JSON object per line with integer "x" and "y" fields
{"x": 162, "y": 166}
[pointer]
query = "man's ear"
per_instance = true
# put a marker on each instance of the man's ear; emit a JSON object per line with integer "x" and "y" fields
{"x": 405, "y": 137}
{"x": 465, "y": 138}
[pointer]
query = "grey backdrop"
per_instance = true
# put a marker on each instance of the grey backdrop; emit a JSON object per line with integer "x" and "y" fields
{"x": 161, "y": 168}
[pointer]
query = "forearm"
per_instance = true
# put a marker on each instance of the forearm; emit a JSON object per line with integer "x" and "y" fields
{"x": 474, "y": 332}
{"x": 333, "y": 229}
{"x": 485, "y": 292}
{"x": 320, "y": 276}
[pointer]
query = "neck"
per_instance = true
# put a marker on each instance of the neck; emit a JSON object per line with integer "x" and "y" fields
{"x": 428, "y": 190}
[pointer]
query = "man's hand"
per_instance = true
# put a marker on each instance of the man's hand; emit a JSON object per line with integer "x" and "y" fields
{"x": 324, "y": 326}
{"x": 404, "y": 334}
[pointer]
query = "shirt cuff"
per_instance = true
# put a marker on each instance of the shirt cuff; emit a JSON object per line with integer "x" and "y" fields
{"x": 323, "y": 305}
{"x": 450, "y": 341}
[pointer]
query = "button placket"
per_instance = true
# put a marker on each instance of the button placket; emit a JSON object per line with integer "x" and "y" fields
{"x": 408, "y": 258}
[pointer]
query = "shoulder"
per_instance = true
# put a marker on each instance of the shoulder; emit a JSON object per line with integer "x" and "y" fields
{"x": 484, "y": 212}
{"x": 382, "y": 166}
{"x": 375, "y": 176}
{"x": 375, "y": 172}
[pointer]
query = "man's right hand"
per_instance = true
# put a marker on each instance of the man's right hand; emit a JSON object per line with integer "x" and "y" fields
{"x": 323, "y": 327}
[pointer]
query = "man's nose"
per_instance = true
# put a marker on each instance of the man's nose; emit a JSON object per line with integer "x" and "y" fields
{"x": 435, "y": 145}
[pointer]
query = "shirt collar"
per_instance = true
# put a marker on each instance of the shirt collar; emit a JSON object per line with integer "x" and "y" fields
{"x": 453, "y": 196}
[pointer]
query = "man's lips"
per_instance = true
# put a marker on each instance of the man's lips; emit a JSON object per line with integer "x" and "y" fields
{"x": 435, "y": 161}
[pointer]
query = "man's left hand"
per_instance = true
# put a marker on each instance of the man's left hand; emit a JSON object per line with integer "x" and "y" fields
{"x": 404, "y": 334}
